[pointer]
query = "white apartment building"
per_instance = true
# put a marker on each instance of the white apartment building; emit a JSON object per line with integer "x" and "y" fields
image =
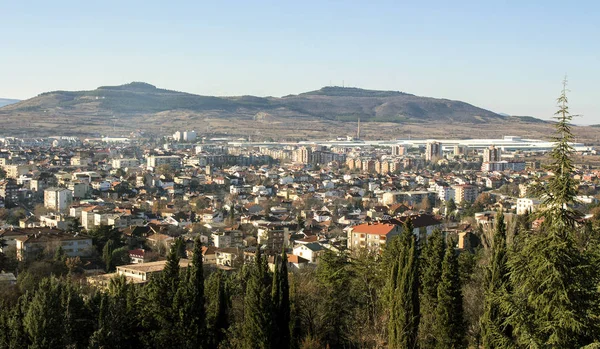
{"x": 158, "y": 160}
{"x": 58, "y": 199}
{"x": 125, "y": 163}
{"x": 525, "y": 205}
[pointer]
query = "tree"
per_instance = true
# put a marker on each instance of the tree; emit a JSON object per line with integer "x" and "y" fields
{"x": 107, "y": 256}
{"x": 257, "y": 326}
{"x": 403, "y": 325}
{"x": 495, "y": 332}
{"x": 450, "y": 206}
{"x": 449, "y": 328}
{"x": 161, "y": 313}
{"x": 189, "y": 300}
{"x": 217, "y": 314}
{"x": 43, "y": 321}
{"x": 554, "y": 302}
{"x": 431, "y": 273}
{"x": 281, "y": 304}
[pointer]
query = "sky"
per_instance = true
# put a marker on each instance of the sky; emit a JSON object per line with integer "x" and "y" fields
{"x": 505, "y": 56}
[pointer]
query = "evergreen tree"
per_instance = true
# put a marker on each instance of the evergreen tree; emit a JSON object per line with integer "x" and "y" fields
{"x": 189, "y": 301}
{"x": 43, "y": 321}
{"x": 495, "y": 332}
{"x": 404, "y": 317}
{"x": 217, "y": 315}
{"x": 160, "y": 314}
{"x": 431, "y": 273}
{"x": 555, "y": 299}
{"x": 107, "y": 256}
{"x": 281, "y": 304}
{"x": 257, "y": 326}
{"x": 449, "y": 327}
{"x": 334, "y": 276}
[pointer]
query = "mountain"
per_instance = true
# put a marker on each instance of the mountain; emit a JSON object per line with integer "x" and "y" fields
{"x": 321, "y": 113}
{"x": 7, "y": 101}
{"x": 332, "y": 103}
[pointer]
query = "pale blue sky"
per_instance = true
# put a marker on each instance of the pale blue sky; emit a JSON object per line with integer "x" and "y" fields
{"x": 506, "y": 56}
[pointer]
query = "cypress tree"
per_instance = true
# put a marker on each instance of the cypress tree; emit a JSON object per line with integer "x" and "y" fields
{"x": 257, "y": 326}
{"x": 449, "y": 327}
{"x": 495, "y": 332}
{"x": 107, "y": 256}
{"x": 431, "y": 273}
{"x": 217, "y": 316}
{"x": 43, "y": 320}
{"x": 555, "y": 300}
{"x": 189, "y": 301}
{"x": 404, "y": 317}
{"x": 161, "y": 314}
{"x": 281, "y": 304}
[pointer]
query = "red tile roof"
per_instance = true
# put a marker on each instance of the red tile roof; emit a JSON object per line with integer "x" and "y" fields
{"x": 374, "y": 228}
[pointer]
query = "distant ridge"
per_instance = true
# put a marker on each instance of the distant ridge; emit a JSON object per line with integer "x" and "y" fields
{"x": 328, "y": 103}
{"x": 7, "y": 101}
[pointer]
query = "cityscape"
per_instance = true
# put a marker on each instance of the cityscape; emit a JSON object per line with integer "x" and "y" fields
{"x": 246, "y": 214}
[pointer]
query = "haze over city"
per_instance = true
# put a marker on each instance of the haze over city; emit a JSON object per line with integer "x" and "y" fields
{"x": 504, "y": 57}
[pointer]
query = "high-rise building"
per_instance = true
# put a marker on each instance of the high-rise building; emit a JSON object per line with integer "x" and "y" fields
{"x": 492, "y": 154}
{"x": 398, "y": 150}
{"x": 303, "y": 155}
{"x": 433, "y": 151}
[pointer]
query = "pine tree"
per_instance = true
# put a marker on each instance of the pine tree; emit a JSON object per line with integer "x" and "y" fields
{"x": 449, "y": 327}
{"x": 555, "y": 300}
{"x": 404, "y": 306}
{"x": 257, "y": 326}
{"x": 281, "y": 304}
{"x": 431, "y": 273}
{"x": 495, "y": 332}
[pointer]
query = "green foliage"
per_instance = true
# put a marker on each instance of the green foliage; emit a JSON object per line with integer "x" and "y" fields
{"x": 495, "y": 332}
{"x": 333, "y": 275}
{"x": 449, "y": 328}
{"x": 403, "y": 324}
{"x": 257, "y": 325}
{"x": 431, "y": 273}
{"x": 281, "y": 304}
{"x": 554, "y": 302}
{"x": 217, "y": 312}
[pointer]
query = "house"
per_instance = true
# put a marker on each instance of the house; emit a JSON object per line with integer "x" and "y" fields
{"x": 311, "y": 251}
{"x": 139, "y": 256}
{"x": 228, "y": 257}
{"x": 73, "y": 244}
{"x": 135, "y": 273}
{"x": 158, "y": 239}
{"x": 372, "y": 235}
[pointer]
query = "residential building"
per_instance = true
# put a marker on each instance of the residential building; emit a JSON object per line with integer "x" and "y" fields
{"x": 465, "y": 193}
{"x": 58, "y": 199}
{"x": 527, "y": 205}
{"x": 433, "y": 151}
{"x": 311, "y": 251}
{"x": 155, "y": 161}
{"x": 492, "y": 154}
{"x": 49, "y": 240}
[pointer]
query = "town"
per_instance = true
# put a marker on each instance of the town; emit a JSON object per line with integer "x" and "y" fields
{"x": 239, "y": 196}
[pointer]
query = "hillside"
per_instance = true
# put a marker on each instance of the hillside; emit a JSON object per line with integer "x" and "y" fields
{"x": 327, "y": 112}
{"x": 331, "y": 103}
{"x": 7, "y": 101}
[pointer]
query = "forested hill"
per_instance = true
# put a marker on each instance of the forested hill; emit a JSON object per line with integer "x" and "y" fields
{"x": 328, "y": 103}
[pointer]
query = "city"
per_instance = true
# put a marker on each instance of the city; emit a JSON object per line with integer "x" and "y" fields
{"x": 299, "y": 175}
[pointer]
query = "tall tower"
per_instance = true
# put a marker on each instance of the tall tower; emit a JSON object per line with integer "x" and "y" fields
{"x": 358, "y": 130}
